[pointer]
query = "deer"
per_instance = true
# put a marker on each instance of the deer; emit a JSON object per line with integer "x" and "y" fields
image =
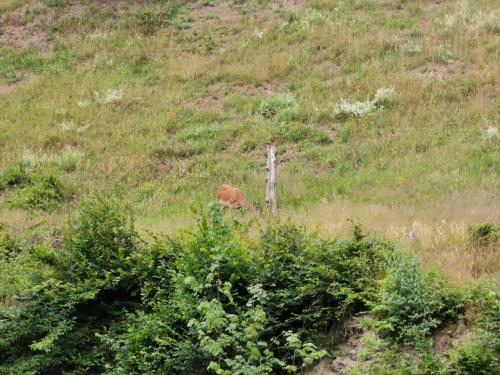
{"x": 231, "y": 197}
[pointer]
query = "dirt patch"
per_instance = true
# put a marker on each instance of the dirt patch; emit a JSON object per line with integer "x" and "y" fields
{"x": 439, "y": 71}
{"x": 29, "y": 24}
{"x": 448, "y": 337}
{"x": 226, "y": 12}
{"x": 5, "y": 89}
{"x": 26, "y": 26}
{"x": 223, "y": 11}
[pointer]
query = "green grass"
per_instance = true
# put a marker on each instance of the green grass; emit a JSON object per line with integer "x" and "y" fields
{"x": 164, "y": 102}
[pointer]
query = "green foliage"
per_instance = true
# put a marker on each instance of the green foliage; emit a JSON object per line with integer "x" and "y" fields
{"x": 15, "y": 176}
{"x": 13, "y": 64}
{"x": 56, "y": 3}
{"x": 53, "y": 326}
{"x": 152, "y": 19}
{"x": 210, "y": 301}
{"x": 484, "y": 234}
{"x": 413, "y": 302}
{"x": 37, "y": 191}
{"x": 480, "y": 354}
{"x": 380, "y": 357}
{"x": 43, "y": 192}
{"x": 314, "y": 284}
{"x": 277, "y": 106}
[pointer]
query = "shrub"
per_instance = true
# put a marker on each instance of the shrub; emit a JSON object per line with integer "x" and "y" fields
{"x": 479, "y": 356}
{"x": 151, "y": 19}
{"x": 413, "y": 302}
{"x": 15, "y": 176}
{"x": 210, "y": 301}
{"x": 272, "y": 106}
{"x": 484, "y": 234}
{"x": 44, "y": 193}
{"x": 54, "y": 326}
{"x": 313, "y": 284}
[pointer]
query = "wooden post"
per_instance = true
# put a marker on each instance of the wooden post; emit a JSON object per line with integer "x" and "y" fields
{"x": 271, "y": 194}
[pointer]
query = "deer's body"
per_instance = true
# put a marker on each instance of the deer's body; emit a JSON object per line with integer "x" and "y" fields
{"x": 231, "y": 197}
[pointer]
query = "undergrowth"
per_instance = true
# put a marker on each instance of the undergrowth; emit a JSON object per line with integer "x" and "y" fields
{"x": 214, "y": 300}
{"x": 209, "y": 301}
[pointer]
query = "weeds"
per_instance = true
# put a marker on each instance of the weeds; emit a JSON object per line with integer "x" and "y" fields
{"x": 383, "y": 97}
{"x": 276, "y": 106}
{"x": 43, "y": 193}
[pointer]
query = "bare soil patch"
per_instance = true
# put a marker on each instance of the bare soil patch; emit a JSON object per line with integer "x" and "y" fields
{"x": 29, "y": 24}
{"x": 26, "y": 26}
{"x": 448, "y": 337}
{"x": 439, "y": 71}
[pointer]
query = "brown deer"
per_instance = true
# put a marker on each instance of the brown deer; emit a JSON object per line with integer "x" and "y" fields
{"x": 232, "y": 197}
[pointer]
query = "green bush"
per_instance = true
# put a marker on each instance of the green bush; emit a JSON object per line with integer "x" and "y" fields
{"x": 53, "y": 328}
{"x": 380, "y": 357}
{"x": 44, "y": 193}
{"x": 484, "y": 234}
{"x": 413, "y": 302}
{"x": 276, "y": 106}
{"x": 210, "y": 301}
{"x": 479, "y": 356}
{"x": 15, "y": 176}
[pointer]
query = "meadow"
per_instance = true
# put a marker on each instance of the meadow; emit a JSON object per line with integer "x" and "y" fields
{"x": 386, "y": 114}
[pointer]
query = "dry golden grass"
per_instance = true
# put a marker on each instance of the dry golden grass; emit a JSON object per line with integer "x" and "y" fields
{"x": 440, "y": 230}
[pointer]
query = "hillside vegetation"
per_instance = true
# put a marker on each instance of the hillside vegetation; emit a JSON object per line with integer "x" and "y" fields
{"x": 118, "y": 121}
{"x": 213, "y": 300}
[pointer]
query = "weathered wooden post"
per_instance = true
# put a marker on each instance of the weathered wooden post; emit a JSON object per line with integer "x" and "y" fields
{"x": 271, "y": 194}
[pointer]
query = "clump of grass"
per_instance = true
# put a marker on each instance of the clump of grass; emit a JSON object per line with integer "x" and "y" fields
{"x": 56, "y": 3}
{"x": 473, "y": 18}
{"x": 151, "y": 19}
{"x": 67, "y": 160}
{"x": 304, "y": 21}
{"x": 15, "y": 176}
{"x": 108, "y": 96}
{"x": 491, "y": 133}
{"x": 13, "y": 64}
{"x": 484, "y": 234}
{"x": 275, "y": 106}
{"x": 71, "y": 126}
{"x": 383, "y": 97}
{"x": 43, "y": 193}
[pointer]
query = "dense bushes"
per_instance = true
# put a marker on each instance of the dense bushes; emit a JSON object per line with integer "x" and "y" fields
{"x": 215, "y": 301}
{"x": 481, "y": 353}
{"x": 210, "y": 301}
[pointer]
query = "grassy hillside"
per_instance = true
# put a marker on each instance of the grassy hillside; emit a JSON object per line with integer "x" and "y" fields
{"x": 383, "y": 111}
{"x": 119, "y": 118}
